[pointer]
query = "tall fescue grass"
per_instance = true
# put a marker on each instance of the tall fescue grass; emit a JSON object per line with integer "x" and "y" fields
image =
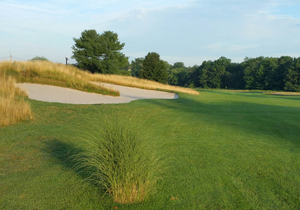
{"x": 13, "y": 107}
{"x": 121, "y": 157}
{"x": 45, "y": 72}
{"x": 139, "y": 83}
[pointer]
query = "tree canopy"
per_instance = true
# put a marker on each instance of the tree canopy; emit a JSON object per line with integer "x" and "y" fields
{"x": 99, "y": 53}
{"x": 177, "y": 74}
{"x": 261, "y": 73}
{"x": 211, "y": 72}
{"x": 136, "y": 66}
{"x": 39, "y": 58}
{"x": 154, "y": 68}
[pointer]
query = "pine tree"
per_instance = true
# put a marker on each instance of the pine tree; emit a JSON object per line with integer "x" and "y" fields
{"x": 99, "y": 53}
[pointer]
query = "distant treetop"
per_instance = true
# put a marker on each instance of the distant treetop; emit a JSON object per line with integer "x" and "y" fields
{"x": 39, "y": 58}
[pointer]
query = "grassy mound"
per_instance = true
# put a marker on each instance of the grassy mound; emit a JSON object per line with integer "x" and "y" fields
{"x": 45, "y": 72}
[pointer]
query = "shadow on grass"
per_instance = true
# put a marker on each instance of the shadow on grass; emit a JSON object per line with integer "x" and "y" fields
{"x": 66, "y": 154}
{"x": 290, "y": 97}
{"x": 253, "y": 117}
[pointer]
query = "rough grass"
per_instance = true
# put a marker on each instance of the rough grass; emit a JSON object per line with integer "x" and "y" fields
{"x": 139, "y": 83}
{"x": 239, "y": 91}
{"x": 267, "y": 92}
{"x": 282, "y": 93}
{"x": 13, "y": 107}
{"x": 46, "y": 72}
{"x": 121, "y": 157}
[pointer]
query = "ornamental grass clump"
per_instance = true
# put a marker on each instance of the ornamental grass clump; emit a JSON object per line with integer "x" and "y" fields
{"x": 121, "y": 157}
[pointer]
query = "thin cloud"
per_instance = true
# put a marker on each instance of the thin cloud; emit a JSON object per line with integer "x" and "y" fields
{"x": 12, "y": 8}
{"x": 230, "y": 47}
{"x": 188, "y": 30}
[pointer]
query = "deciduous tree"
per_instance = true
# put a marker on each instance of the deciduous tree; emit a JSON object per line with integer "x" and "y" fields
{"x": 154, "y": 68}
{"x": 136, "y": 66}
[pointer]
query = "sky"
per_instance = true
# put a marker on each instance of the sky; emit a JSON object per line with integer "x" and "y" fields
{"x": 188, "y": 31}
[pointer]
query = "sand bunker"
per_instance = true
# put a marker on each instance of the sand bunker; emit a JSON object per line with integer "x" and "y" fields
{"x": 65, "y": 95}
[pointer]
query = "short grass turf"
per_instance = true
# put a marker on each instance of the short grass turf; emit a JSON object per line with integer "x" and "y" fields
{"x": 226, "y": 150}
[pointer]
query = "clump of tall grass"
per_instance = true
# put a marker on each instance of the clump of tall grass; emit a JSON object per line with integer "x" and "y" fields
{"x": 13, "y": 107}
{"x": 122, "y": 158}
{"x": 46, "y": 72}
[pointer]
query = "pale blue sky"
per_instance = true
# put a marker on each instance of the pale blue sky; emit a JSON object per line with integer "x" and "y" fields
{"x": 188, "y": 31}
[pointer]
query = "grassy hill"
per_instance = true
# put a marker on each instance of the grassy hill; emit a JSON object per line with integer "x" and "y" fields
{"x": 45, "y": 72}
{"x": 226, "y": 150}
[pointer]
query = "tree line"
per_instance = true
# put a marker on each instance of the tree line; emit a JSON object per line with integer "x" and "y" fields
{"x": 261, "y": 73}
{"x": 101, "y": 53}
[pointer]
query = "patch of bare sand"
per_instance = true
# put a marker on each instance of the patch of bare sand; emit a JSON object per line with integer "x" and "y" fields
{"x": 50, "y": 93}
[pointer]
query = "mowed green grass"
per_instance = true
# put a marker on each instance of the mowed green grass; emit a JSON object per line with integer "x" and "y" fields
{"x": 226, "y": 151}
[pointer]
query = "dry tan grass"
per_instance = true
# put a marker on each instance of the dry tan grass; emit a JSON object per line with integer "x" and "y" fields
{"x": 267, "y": 92}
{"x": 44, "y": 72}
{"x": 129, "y": 194}
{"x": 283, "y": 93}
{"x": 139, "y": 83}
{"x": 13, "y": 107}
{"x": 241, "y": 91}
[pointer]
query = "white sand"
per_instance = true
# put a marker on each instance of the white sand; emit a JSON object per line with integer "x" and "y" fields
{"x": 65, "y": 95}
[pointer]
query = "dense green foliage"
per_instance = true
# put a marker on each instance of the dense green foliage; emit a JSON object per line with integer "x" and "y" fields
{"x": 136, "y": 67}
{"x": 210, "y": 73}
{"x": 227, "y": 151}
{"x": 262, "y": 73}
{"x": 177, "y": 74}
{"x": 154, "y": 68}
{"x": 39, "y": 58}
{"x": 99, "y": 53}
